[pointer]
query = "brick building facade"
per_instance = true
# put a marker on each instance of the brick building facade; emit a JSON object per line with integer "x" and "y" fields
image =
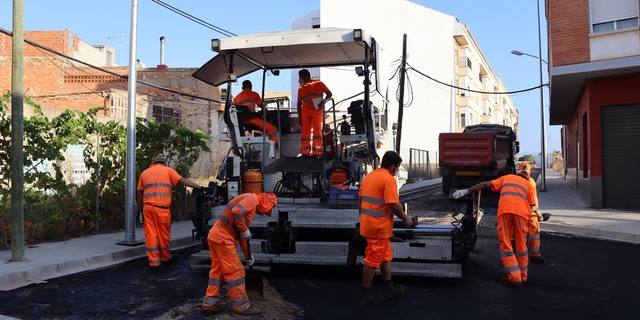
{"x": 59, "y": 83}
{"x": 594, "y": 61}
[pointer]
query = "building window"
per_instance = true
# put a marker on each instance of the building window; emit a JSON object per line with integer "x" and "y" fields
{"x": 165, "y": 114}
{"x": 607, "y": 15}
{"x": 463, "y": 120}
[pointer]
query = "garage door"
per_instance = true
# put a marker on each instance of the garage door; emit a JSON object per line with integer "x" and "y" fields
{"x": 621, "y": 155}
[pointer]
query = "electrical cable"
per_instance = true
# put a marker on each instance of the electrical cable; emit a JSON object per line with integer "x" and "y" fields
{"x": 195, "y": 19}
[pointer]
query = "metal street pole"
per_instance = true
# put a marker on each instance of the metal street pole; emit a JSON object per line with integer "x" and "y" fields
{"x": 543, "y": 157}
{"x": 130, "y": 187}
{"x": 17, "y": 130}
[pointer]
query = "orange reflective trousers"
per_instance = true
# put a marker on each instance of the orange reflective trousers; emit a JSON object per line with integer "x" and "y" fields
{"x": 226, "y": 266}
{"x": 157, "y": 234}
{"x": 515, "y": 262}
{"x": 533, "y": 240}
{"x": 270, "y": 129}
{"x": 311, "y": 144}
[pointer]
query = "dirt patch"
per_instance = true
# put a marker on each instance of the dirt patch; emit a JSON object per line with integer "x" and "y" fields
{"x": 272, "y": 304}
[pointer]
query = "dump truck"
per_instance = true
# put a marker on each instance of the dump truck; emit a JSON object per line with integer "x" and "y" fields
{"x": 481, "y": 152}
{"x": 316, "y": 221}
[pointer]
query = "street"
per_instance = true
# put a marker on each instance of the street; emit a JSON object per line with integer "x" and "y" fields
{"x": 581, "y": 279}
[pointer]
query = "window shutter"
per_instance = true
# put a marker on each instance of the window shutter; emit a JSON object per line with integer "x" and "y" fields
{"x": 611, "y": 10}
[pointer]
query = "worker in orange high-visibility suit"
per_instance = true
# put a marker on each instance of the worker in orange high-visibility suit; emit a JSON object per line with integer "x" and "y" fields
{"x": 232, "y": 228}
{"x": 533, "y": 239}
{"x": 251, "y": 99}
{"x": 378, "y": 203}
{"x": 312, "y": 96}
{"x": 514, "y": 209}
{"x": 154, "y": 198}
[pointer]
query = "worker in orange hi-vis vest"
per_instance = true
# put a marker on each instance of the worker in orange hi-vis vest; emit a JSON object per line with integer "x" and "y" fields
{"x": 232, "y": 228}
{"x": 312, "y": 96}
{"x": 533, "y": 240}
{"x": 154, "y": 198}
{"x": 250, "y": 99}
{"x": 378, "y": 204}
{"x": 517, "y": 200}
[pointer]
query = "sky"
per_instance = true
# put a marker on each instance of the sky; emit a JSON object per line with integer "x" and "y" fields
{"x": 499, "y": 26}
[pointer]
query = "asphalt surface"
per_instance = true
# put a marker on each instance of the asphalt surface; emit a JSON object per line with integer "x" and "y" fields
{"x": 44, "y": 262}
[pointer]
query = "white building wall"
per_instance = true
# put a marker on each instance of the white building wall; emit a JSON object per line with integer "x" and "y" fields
{"x": 430, "y": 50}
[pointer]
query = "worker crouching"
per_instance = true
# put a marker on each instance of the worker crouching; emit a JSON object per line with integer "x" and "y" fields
{"x": 230, "y": 229}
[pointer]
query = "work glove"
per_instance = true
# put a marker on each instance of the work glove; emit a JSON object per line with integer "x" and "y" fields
{"x": 250, "y": 261}
{"x": 460, "y": 193}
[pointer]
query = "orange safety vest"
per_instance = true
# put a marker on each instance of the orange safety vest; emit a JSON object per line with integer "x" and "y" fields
{"x": 247, "y": 98}
{"x": 377, "y": 191}
{"x": 157, "y": 182}
{"x": 516, "y": 195}
{"x": 309, "y": 91}
{"x": 234, "y": 219}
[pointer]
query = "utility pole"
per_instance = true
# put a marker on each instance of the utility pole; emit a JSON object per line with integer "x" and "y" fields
{"x": 17, "y": 133}
{"x": 130, "y": 192}
{"x": 402, "y": 73}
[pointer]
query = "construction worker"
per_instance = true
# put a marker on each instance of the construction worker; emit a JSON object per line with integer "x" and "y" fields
{"x": 250, "y": 99}
{"x": 232, "y": 228}
{"x": 514, "y": 209}
{"x": 154, "y": 197}
{"x": 312, "y": 95}
{"x": 378, "y": 203}
{"x": 533, "y": 238}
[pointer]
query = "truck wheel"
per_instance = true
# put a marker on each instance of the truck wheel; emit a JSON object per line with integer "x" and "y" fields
{"x": 446, "y": 184}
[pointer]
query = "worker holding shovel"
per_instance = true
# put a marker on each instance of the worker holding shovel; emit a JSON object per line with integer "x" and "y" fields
{"x": 232, "y": 228}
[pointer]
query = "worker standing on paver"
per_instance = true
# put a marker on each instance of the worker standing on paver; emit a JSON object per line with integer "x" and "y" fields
{"x": 378, "y": 203}
{"x": 232, "y": 228}
{"x": 155, "y": 188}
{"x": 533, "y": 238}
{"x": 514, "y": 210}
{"x": 312, "y": 95}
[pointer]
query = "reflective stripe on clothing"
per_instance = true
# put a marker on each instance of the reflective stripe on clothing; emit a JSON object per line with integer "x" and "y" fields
{"x": 377, "y": 191}
{"x": 157, "y": 234}
{"x": 515, "y": 195}
{"x": 156, "y": 183}
{"x": 226, "y": 267}
{"x": 308, "y": 91}
{"x": 234, "y": 219}
{"x": 515, "y": 262}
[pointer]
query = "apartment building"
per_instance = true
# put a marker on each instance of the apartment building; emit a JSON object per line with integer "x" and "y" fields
{"x": 594, "y": 72}
{"x": 74, "y": 75}
{"x": 458, "y": 62}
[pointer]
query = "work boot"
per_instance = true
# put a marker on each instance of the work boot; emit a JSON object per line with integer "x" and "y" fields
{"x": 537, "y": 259}
{"x": 366, "y": 297}
{"x": 506, "y": 282}
{"x": 171, "y": 260}
{"x": 392, "y": 291}
{"x": 251, "y": 311}
{"x": 212, "y": 308}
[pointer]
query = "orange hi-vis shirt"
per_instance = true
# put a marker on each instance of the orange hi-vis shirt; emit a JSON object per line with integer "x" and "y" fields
{"x": 378, "y": 189}
{"x": 234, "y": 219}
{"x": 516, "y": 195}
{"x": 157, "y": 182}
{"x": 309, "y": 91}
{"x": 248, "y": 98}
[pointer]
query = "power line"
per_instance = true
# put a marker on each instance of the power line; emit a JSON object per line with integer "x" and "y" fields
{"x": 195, "y": 19}
{"x": 10, "y": 34}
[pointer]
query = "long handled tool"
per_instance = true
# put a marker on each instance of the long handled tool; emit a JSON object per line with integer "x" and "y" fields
{"x": 479, "y": 212}
{"x": 253, "y": 279}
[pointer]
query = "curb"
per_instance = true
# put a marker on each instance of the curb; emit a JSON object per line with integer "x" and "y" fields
{"x": 584, "y": 232}
{"x": 41, "y": 273}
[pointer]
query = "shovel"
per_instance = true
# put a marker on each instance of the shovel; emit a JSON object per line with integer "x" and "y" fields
{"x": 253, "y": 279}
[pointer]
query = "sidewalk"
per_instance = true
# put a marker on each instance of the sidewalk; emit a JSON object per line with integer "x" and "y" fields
{"x": 56, "y": 259}
{"x": 569, "y": 215}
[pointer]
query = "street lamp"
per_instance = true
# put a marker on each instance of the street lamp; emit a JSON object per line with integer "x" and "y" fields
{"x": 543, "y": 154}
